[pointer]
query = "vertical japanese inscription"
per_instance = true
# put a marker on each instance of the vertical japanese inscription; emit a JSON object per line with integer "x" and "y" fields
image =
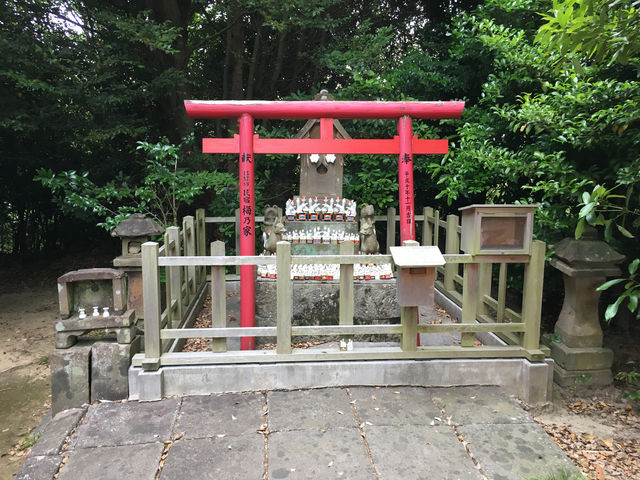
{"x": 405, "y": 179}
{"x": 246, "y": 200}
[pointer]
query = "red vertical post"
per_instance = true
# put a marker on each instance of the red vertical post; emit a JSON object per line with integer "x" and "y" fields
{"x": 405, "y": 185}
{"x": 247, "y": 228}
{"x": 405, "y": 180}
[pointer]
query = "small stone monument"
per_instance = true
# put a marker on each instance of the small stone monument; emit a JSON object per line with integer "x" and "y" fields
{"x": 576, "y": 346}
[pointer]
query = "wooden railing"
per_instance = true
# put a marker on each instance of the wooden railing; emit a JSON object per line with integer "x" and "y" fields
{"x": 474, "y": 292}
{"x": 475, "y": 300}
{"x": 183, "y": 284}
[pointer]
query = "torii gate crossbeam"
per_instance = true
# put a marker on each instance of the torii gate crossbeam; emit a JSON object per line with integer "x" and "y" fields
{"x": 246, "y": 143}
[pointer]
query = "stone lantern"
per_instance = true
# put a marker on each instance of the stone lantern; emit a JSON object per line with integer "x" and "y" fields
{"x": 133, "y": 232}
{"x": 577, "y": 344}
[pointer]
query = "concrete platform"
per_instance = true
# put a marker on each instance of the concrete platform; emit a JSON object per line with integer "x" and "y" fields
{"x": 528, "y": 381}
{"x": 337, "y": 433}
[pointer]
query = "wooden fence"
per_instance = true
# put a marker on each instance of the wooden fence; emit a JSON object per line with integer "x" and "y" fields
{"x": 473, "y": 290}
{"x": 183, "y": 285}
{"x": 481, "y": 313}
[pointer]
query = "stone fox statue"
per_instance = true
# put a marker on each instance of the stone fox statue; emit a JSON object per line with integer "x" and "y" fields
{"x": 275, "y": 235}
{"x": 368, "y": 241}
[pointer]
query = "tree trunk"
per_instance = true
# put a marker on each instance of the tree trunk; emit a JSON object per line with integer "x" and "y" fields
{"x": 176, "y": 122}
{"x": 251, "y": 79}
{"x": 277, "y": 67}
{"x": 235, "y": 45}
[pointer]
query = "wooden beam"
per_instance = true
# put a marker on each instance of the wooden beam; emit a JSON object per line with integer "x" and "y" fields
{"x": 284, "y": 297}
{"x": 218, "y": 333}
{"x": 346, "y": 305}
{"x": 151, "y": 301}
{"x": 341, "y": 260}
{"x": 218, "y": 298}
{"x": 333, "y": 354}
{"x": 216, "y": 261}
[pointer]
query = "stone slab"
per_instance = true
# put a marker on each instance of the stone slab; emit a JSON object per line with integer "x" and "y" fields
{"x": 415, "y": 452}
{"x": 478, "y": 405}
{"x": 311, "y": 454}
{"x": 39, "y": 467}
{"x": 583, "y": 358}
{"x": 394, "y": 406}
{"x": 57, "y": 430}
{"x": 70, "y": 377}
{"x": 206, "y": 379}
{"x": 127, "y": 423}
{"x": 212, "y": 415}
{"x": 298, "y": 410}
{"x": 110, "y": 369}
{"x": 514, "y": 451}
{"x": 577, "y": 378}
{"x": 240, "y": 457}
{"x": 113, "y": 463}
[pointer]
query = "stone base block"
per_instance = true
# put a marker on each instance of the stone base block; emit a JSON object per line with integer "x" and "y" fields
{"x": 70, "y": 377}
{"x": 576, "y": 378}
{"x": 146, "y": 385}
{"x": 110, "y": 364}
{"x": 317, "y": 302}
{"x": 68, "y": 330}
{"x": 581, "y": 358}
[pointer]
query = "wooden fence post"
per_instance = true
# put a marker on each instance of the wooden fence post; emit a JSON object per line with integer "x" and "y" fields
{"x": 346, "y": 287}
{"x": 201, "y": 243}
{"x": 188, "y": 230}
{"x": 485, "y": 272}
{"x": 470, "y": 296}
{"x": 452, "y": 246}
{"x": 532, "y": 296}
{"x": 427, "y": 231}
{"x": 284, "y": 297}
{"x": 502, "y": 292}
{"x": 218, "y": 298}
{"x": 151, "y": 303}
{"x": 408, "y": 318}
{"x": 436, "y": 228}
{"x": 173, "y": 275}
{"x": 391, "y": 228}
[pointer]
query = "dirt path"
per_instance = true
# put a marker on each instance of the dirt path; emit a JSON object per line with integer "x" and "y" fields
{"x": 27, "y": 340}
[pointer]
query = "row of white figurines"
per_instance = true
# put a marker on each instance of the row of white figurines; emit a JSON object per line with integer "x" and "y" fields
{"x": 96, "y": 312}
{"x": 329, "y": 271}
{"x": 320, "y": 236}
{"x": 327, "y": 205}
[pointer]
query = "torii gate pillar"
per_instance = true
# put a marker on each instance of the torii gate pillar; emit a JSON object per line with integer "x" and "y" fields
{"x": 405, "y": 180}
{"x": 247, "y": 227}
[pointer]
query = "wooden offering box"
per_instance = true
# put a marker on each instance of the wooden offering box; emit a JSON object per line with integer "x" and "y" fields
{"x": 416, "y": 274}
{"x": 492, "y": 229}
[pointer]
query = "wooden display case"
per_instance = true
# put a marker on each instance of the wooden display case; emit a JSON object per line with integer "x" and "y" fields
{"x": 494, "y": 229}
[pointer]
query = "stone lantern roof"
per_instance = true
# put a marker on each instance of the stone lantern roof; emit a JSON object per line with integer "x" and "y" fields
{"x": 137, "y": 225}
{"x": 587, "y": 256}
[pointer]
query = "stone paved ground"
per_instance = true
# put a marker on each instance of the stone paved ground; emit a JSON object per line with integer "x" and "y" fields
{"x": 406, "y": 433}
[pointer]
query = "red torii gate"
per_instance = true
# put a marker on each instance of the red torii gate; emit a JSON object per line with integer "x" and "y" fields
{"x": 246, "y": 143}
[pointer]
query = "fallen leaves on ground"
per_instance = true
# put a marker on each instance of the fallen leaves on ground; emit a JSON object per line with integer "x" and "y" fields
{"x": 615, "y": 459}
{"x": 597, "y": 456}
{"x": 203, "y": 321}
